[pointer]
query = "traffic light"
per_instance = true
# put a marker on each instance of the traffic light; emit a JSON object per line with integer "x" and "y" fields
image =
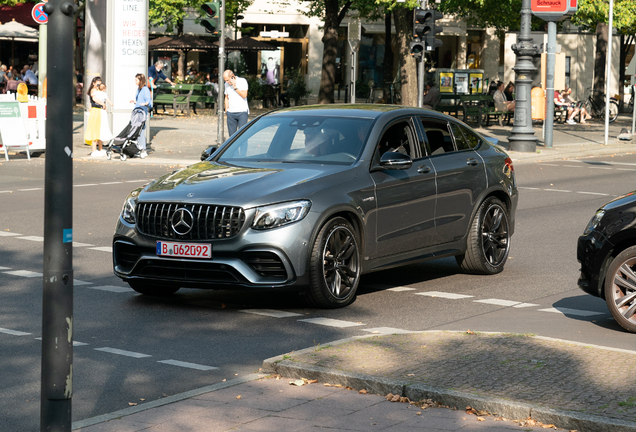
{"x": 425, "y": 30}
{"x": 212, "y": 10}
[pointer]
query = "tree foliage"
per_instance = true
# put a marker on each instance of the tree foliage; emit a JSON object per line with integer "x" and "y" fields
{"x": 171, "y": 13}
{"x": 591, "y": 12}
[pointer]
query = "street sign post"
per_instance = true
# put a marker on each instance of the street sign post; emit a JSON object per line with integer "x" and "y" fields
{"x": 355, "y": 34}
{"x": 551, "y": 11}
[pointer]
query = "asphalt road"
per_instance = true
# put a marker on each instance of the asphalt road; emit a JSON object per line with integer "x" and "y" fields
{"x": 130, "y": 348}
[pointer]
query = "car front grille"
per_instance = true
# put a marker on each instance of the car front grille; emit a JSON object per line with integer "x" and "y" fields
{"x": 188, "y": 271}
{"x": 209, "y": 222}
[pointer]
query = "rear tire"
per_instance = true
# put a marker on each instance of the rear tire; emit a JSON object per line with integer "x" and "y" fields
{"x": 152, "y": 289}
{"x": 488, "y": 242}
{"x": 335, "y": 266}
{"x": 620, "y": 294}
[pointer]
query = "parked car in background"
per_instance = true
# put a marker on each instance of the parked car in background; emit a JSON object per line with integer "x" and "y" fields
{"x": 607, "y": 253}
{"x": 310, "y": 198}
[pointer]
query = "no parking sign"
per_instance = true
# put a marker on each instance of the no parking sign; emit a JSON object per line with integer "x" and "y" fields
{"x": 38, "y": 14}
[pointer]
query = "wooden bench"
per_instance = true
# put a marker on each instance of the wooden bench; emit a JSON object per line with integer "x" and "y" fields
{"x": 491, "y": 112}
{"x": 474, "y": 106}
{"x": 449, "y": 104}
{"x": 182, "y": 97}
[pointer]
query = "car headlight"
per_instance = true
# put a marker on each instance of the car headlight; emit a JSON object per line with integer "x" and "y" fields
{"x": 276, "y": 215}
{"x": 128, "y": 210}
{"x": 593, "y": 223}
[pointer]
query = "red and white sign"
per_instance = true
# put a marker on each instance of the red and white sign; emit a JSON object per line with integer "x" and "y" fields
{"x": 553, "y": 10}
{"x": 38, "y": 14}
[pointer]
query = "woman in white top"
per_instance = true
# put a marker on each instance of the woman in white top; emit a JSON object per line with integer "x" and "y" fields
{"x": 501, "y": 103}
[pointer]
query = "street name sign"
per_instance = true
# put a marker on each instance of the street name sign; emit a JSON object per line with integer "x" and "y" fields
{"x": 553, "y": 10}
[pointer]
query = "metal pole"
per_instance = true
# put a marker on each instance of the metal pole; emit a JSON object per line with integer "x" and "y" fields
{"x": 420, "y": 82}
{"x": 57, "y": 301}
{"x": 549, "y": 84}
{"x": 633, "y": 108}
{"x": 221, "y": 102}
{"x": 42, "y": 59}
{"x": 353, "y": 75}
{"x": 522, "y": 135}
{"x": 609, "y": 70}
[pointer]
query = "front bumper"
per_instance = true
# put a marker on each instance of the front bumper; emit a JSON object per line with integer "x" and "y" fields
{"x": 275, "y": 258}
{"x": 592, "y": 252}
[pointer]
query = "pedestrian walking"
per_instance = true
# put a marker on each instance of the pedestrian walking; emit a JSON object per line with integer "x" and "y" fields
{"x": 92, "y": 130}
{"x": 143, "y": 101}
{"x": 236, "y": 105}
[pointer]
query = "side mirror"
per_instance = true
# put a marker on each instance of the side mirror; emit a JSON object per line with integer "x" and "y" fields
{"x": 395, "y": 161}
{"x": 208, "y": 152}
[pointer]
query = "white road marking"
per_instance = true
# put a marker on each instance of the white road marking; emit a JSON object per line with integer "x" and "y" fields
{"x": 594, "y": 193}
{"x": 13, "y": 332}
{"x": 525, "y": 305}
{"x": 557, "y": 190}
{"x": 331, "y": 322}
{"x": 122, "y": 352}
{"x": 386, "y": 331}
{"x": 187, "y": 365}
{"x": 270, "y": 313}
{"x": 568, "y": 311}
{"x": 78, "y": 244}
{"x": 400, "y": 289}
{"x": 545, "y": 164}
{"x": 497, "y": 302}
{"x": 75, "y": 343}
{"x": 526, "y": 187}
{"x": 624, "y": 169}
{"x": 451, "y": 296}
{"x": 87, "y": 184}
{"x": 32, "y": 189}
{"x": 8, "y": 234}
{"x": 77, "y": 282}
{"x": 110, "y": 288}
{"x": 110, "y": 183}
{"x": 136, "y": 181}
{"x": 598, "y": 167}
{"x": 24, "y": 273}
{"x": 32, "y": 238}
{"x": 5, "y": 268}
{"x": 6, "y": 191}
{"x": 103, "y": 249}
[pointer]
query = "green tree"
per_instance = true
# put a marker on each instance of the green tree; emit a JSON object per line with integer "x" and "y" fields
{"x": 332, "y": 12}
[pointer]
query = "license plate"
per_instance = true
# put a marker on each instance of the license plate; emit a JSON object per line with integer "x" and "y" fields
{"x": 185, "y": 250}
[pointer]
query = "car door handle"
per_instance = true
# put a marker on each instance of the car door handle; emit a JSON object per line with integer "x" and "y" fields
{"x": 472, "y": 162}
{"x": 424, "y": 169}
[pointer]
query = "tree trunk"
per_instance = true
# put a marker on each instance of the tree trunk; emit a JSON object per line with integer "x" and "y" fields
{"x": 408, "y": 69}
{"x": 387, "y": 65}
{"x": 181, "y": 64}
{"x": 600, "y": 60}
{"x": 330, "y": 42}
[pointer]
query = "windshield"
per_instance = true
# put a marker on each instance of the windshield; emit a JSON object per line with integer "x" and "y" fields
{"x": 301, "y": 139}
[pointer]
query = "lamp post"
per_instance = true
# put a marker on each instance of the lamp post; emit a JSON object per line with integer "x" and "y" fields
{"x": 522, "y": 135}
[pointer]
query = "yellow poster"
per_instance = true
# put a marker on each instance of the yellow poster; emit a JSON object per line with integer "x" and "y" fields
{"x": 446, "y": 82}
{"x": 476, "y": 81}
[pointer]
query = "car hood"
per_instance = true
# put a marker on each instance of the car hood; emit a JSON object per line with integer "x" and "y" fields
{"x": 628, "y": 199}
{"x": 245, "y": 186}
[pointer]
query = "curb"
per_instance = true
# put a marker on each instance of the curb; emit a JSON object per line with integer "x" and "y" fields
{"x": 495, "y": 406}
{"x": 161, "y": 402}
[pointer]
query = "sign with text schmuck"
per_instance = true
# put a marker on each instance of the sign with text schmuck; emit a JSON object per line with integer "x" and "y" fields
{"x": 553, "y": 10}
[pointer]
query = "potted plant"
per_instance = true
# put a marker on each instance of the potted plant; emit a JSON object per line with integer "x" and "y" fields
{"x": 296, "y": 88}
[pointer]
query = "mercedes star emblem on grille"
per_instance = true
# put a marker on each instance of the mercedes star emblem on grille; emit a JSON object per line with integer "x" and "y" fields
{"x": 182, "y": 221}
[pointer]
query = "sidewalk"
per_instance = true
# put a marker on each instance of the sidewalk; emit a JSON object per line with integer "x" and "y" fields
{"x": 180, "y": 140}
{"x": 428, "y": 381}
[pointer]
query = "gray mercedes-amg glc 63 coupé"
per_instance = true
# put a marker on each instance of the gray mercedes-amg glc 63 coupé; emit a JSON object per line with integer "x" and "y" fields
{"x": 312, "y": 197}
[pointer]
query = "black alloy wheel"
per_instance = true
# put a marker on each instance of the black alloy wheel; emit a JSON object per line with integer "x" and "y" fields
{"x": 620, "y": 289}
{"x": 488, "y": 240}
{"x": 335, "y": 265}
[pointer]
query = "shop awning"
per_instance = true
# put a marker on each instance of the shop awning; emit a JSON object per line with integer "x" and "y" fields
{"x": 13, "y": 30}
{"x": 246, "y": 43}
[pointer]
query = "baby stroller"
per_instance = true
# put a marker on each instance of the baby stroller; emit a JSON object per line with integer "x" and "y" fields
{"x": 126, "y": 142}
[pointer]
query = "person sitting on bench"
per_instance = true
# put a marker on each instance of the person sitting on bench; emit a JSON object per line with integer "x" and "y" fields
{"x": 501, "y": 102}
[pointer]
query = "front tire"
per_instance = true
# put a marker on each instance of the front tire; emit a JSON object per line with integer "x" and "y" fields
{"x": 620, "y": 289}
{"x": 152, "y": 289}
{"x": 334, "y": 266}
{"x": 488, "y": 242}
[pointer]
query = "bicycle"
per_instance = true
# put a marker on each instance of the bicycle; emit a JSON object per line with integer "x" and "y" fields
{"x": 598, "y": 111}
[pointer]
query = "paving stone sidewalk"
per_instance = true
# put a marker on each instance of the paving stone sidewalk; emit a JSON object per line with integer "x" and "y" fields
{"x": 571, "y": 385}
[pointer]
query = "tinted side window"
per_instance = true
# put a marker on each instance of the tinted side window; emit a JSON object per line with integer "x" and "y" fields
{"x": 473, "y": 140}
{"x": 397, "y": 138}
{"x": 438, "y": 137}
{"x": 460, "y": 141}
